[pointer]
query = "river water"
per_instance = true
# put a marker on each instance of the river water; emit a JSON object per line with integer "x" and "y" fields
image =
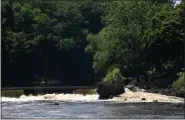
{"x": 69, "y": 106}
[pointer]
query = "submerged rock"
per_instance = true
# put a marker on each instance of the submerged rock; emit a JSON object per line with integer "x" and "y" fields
{"x": 108, "y": 90}
{"x": 143, "y": 99}
{"x": 55, "y": 103}
{"x": 155, "y": 100}
{"x": 179, "y": 105}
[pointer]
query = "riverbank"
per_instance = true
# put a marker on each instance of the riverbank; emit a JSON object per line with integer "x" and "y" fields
{"x": 130, "y": 96}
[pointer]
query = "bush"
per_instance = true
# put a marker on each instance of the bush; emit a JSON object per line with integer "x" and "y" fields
{"x": 179, "y": 84}
{"x": 113, "y": 76}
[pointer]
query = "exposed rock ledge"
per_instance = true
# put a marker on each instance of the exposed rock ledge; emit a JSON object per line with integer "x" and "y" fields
{"x": 130, "y": 96}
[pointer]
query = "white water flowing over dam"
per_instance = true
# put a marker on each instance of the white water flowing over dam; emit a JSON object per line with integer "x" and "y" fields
{"x": 128, "y": 96}
{"x": 69, "y": 106}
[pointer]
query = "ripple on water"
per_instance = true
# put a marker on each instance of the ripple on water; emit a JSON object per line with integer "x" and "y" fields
{"x": 108, "y": 109}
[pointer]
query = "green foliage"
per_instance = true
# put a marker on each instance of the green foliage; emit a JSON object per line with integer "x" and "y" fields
{"x": 100, "y": 47}
{"x": 113, "y": 76}
{"x": 138, "y": 36}
{"x": 48, "y": 39}
{"x": 80, "y": 42}
{"x": 179, "y": 84}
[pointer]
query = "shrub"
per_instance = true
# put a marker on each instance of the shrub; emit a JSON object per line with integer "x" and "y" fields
{"x": 113, "y": 76}
{"x": 179, "y": 84}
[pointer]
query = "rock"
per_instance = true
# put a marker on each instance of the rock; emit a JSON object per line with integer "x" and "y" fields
{"x": 146, "y": 87}
{"x": 179, "y": 105}
{"x": 181, "y": 93}
{"x": 142, "y": 90}
{"x": 104, "y": 90}
{"x": 155, "y": 100}
{"x": 107, "y": 90}
{"x": 152, "y": 91}
{"x": 143, "y": 99}
{"x": 56, "y": 103}
{"x": 173, "y": 93}
{"x": 129, "y": 86}
{"x": 125, "y": 99}
{"x": 117, "y": 96}
{"x": 164, "y": 92}
{"x": 110, "y": 97}
{"x": 134, "y": 89}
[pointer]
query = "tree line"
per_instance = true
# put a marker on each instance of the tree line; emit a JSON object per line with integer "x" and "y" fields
{"x": 80, "y": 42}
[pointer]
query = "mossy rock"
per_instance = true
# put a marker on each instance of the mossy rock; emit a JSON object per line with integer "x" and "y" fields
{"x": 12, "y": 93}
{"x": 84, "y": 91}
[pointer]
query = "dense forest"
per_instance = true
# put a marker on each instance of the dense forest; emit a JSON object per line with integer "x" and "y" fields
{"x": 84, "y": 42}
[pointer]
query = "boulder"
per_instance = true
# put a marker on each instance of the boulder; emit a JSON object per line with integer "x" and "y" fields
{"x": 134, "y": 89}
{"x": 129, "y": 86}
{"x": 181, "y": 93}
{"x": 179, "y": 105}
{"x": 56, "y": 103}
{"x": 155, "y": 100}
{"x": 108, "y": 90}
{"x": 143, "y": 98}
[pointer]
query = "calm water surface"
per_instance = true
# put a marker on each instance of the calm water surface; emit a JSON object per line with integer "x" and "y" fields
{"x": 98, "y": 109}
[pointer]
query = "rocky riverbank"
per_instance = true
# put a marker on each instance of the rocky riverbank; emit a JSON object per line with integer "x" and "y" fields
{"x": 143, "y": 96}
